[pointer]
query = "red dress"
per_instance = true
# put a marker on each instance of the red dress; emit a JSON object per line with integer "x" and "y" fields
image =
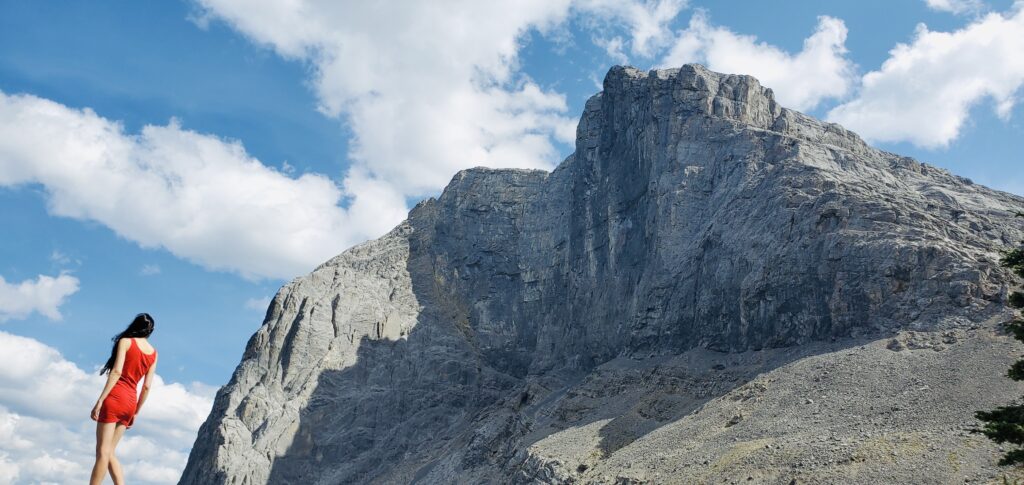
{"x": 121, "y": 403}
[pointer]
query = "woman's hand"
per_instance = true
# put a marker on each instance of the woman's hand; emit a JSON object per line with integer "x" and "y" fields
{"x": 95, "y": 415}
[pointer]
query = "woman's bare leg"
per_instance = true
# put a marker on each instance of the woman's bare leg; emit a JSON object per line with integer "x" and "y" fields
{"x": 114, "y": 466}
{"x": 104, "y": 450}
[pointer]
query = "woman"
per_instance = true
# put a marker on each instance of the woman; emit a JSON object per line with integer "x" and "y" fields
{"x": 131, "y": 358}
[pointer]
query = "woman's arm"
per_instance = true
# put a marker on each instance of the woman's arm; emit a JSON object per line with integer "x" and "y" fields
{"x": 112, "y": 377}
{"x": 145, "y": 385}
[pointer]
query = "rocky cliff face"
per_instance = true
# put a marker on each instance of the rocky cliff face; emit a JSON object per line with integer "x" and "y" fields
{"x": 712, "y": 286}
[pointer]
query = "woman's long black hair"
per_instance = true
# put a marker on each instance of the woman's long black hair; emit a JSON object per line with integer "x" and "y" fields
{"x": 142, "y": 326}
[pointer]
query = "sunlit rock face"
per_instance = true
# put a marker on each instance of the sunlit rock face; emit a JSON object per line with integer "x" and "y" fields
{"x": 711, "y": 287}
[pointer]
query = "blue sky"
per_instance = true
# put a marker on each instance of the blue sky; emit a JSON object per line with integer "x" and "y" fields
{"x": 345, "y": 135}
{"x": 142, "y": 64}
{"x": 147, "y": 63}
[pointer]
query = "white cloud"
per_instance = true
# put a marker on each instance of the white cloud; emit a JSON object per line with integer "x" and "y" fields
{"x": 429, "y": 88}
{"x": 8, "y": 470}
{"x": 150, "y": 270}
{"x": 442, "y": 96}
{"x": 44, "y": 295}
{"x": 61, "y": 259}
{"x": 956, "y": 6}
{"x": 800, "y": 81}
{"x": 200, "y": 197}
{"x": 55, "y": 442}
{"x": 647, "y": 24}
{"x": 613, "y": 46}
{"x": 259, "y": 304}
{"x": 924, "y": 91}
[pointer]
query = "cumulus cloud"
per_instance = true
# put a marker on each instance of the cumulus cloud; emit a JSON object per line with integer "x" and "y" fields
{"x": 956, "y": 6}
{"x": 44, "y": 295}
{"x": 54, "y": 442}
{"x": 426, "y": 88}
{"x": 429, "y": 88}
{"x": 259, "y": 304}
{"x": 201, "y": 197}
{"x": 925, "y": 89}
{"x": 645, "y": 23}
{"x": 800, "y": 81}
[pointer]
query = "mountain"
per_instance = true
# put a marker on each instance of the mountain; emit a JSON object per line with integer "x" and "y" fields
{"x": 711, "y": 288}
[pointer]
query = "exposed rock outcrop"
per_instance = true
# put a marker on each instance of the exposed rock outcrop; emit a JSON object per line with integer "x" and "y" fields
{"x": 712, "y": 286}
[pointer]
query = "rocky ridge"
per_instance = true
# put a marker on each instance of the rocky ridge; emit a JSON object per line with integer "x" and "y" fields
{"x": 711, "y": 288}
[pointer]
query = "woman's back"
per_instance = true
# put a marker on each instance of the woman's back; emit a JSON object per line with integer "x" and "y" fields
{"x": 144, "y": 345}
{"x": 137, "y": 360}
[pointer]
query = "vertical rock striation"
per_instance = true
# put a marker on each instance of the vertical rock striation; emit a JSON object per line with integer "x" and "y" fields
{"x": 535, "y": 327}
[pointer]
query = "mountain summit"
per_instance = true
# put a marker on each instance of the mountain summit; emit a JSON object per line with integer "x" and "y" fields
{"x": 712, "y": 287}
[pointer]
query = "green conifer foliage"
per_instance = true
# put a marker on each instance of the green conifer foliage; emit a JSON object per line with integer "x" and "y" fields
{"x": 1006, "y": 423}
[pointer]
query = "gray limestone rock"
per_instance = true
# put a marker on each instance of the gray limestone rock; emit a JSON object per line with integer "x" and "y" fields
{"x": 711, "y": 287}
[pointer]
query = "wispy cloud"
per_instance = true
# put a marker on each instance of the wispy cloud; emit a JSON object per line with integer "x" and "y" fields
{"x": 150, "y": 270}
{"x": 957, "y": 6}
{"x": 644, "y": 26}
{"x": 61, "y": 259}
{"x": 44, "y": 295}
{"x": 258, "y": 304}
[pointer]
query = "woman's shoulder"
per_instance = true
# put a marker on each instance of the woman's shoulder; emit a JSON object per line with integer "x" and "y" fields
{"x": 146, "y": 346}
